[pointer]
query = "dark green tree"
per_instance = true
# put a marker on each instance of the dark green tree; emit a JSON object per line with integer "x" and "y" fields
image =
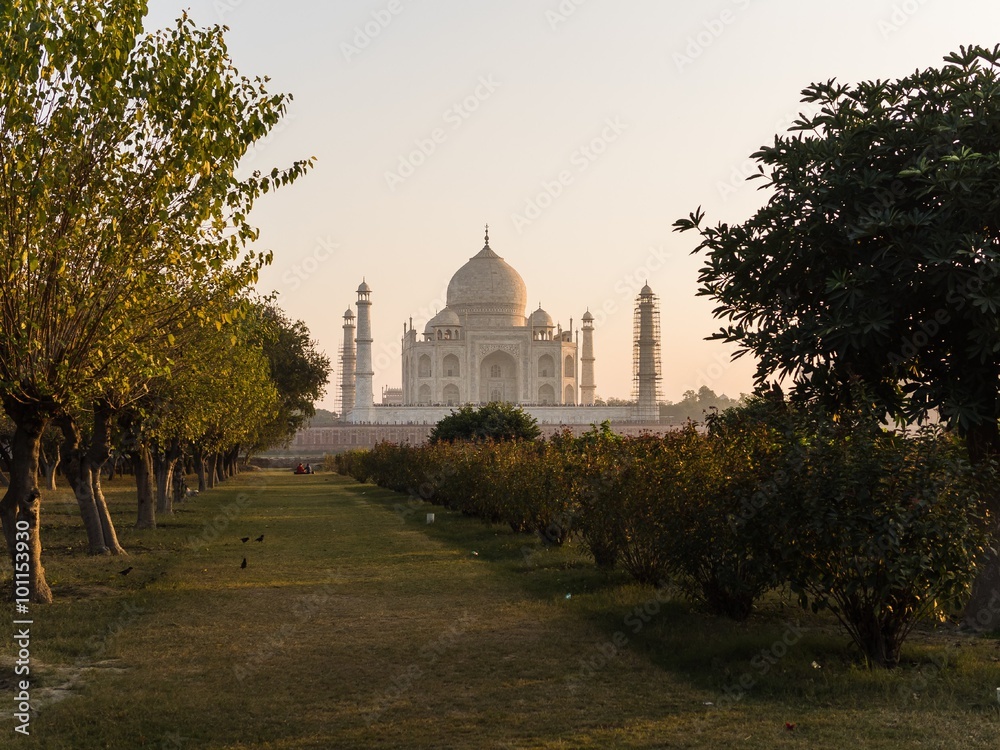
{"x": 876, "y": 260}
{"x": 494, "y": 421}
{"x": 298, "y": 369}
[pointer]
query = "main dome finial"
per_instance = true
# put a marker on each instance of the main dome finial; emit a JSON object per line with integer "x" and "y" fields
{"x": 487, "y": 235}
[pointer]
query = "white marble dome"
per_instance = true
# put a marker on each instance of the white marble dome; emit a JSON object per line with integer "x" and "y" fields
{"x": 541, "y": 319}
{"x": 447, "y": 318}
{"x": 487, "y": 284}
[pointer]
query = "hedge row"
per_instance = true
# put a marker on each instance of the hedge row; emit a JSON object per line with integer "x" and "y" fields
{"x": 879, "y": 527}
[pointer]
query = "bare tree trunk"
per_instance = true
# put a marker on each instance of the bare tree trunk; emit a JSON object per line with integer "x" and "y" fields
{"x": 20, "y": 508}
{"x": 50, "y": 467}
{"x": 179, "y": 488}
{"x": 113, "y": 466}
{"x": 107, "y": 525}
{"x": 100, "y": 453}
{"x": 142, "y": 465}
{"x": 164, "y": 464}
{"x": 199, "y": 467}
{"x": 213, "y": 459}
{"x": 78, "y": 473}
{"x": 230, "y": 462}
{"x": 220, "y": 466}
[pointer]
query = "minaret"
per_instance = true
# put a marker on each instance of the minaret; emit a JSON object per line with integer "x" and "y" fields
{"x": 347, "y": 367}
{"x": 587, "y": 385}
{"x": 363, "y": 396}
{"x": 646, "y": 356}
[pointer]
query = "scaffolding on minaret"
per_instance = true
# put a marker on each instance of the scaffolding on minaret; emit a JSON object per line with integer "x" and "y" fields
{"x": 646, "y": 373}
{"x": 347, "y": 357}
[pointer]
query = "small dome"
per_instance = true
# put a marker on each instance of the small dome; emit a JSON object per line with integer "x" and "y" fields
{"x": 587, "y": 316}
{"x": 447, "y": 318}
{"x": 364, "y": 287}
{"x": 540, "y": 319}
{"x": 349, "y": 313}
{"x": 646, "y": 291}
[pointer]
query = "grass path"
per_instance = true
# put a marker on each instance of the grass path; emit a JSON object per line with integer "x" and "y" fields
{"x": 357, "y": 625}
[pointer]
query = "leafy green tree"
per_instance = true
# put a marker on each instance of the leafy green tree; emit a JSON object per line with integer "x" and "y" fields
{"x": 218, "y": 393}
{"x": 876, "y": 259}
{"x": 493, "y": 421}
{"x": 299, "y": 372}
{"x": 119, "y": 208}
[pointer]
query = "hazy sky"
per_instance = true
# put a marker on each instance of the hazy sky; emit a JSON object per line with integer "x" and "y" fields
{"x": 580, "y": 130}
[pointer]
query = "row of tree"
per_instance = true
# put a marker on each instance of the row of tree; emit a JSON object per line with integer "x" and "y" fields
{"x": 126, "y": 262}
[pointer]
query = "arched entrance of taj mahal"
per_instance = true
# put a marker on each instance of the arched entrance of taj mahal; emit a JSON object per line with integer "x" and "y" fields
{"x": 498, "y": 378}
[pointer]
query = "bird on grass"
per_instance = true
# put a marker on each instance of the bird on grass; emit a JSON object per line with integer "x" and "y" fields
{"x": 244, "y": 539}
{"x": 243, "y": 564}
{"x": 126, "y": 571}
{"x": 260, "y": 538}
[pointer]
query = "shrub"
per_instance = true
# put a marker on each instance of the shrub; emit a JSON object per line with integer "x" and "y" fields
{"x": 878, "y": 527}
{"x": 623, "y": 516}
{"x": 352, "y": 463}
{"x": 715, "y": 555}
{"x": 492, "y": 422}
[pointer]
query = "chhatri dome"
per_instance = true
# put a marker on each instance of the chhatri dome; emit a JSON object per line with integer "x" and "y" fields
{"x": 487, "y": 286}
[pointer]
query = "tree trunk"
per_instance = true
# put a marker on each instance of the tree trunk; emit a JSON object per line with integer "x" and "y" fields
{"x": 50, "y": 467}
{"x": 164, "y": 464}
{"x": 179, "y": 485}
{"x": 77, "y": 471}
{"x": 100, "y": 453}
{"x": 213, "y": 459}
{"x": 112, "y": 466}
{"x": 20, "y": 508}
{"x": 142, "y": 466}
{"x": 220, "y": 467}
{"x": 199, "y": 467}
{"x": 107, "y": 525}
{"x": 982, "y": 613}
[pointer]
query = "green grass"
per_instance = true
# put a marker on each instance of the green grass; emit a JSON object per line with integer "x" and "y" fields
{"x": 358, "y": 625}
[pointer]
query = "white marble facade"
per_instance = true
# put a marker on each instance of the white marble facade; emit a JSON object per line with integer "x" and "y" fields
{"x": 481, "y": 347}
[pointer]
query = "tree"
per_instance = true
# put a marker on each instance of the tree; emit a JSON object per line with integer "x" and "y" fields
{"x": 119, "y": 210}
{"x": 876, "y": 260}
{"x": 217, "y": 394}
{"x": 697, "y": 405}
{"x": 298, "y": 370}
{"x": 494, "y": 421}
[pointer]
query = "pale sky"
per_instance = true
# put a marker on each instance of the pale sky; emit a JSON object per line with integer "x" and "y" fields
{"x": 579, "y": 130}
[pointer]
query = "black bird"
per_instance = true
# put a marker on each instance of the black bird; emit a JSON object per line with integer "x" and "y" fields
{"x": 126, "y": 571}
{"x": 244, "y": 539}
{"x": 260, "y": 538}
{"x": 244, "y": 563}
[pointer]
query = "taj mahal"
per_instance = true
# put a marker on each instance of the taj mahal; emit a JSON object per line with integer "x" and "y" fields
{"x": 481, "y": 347}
